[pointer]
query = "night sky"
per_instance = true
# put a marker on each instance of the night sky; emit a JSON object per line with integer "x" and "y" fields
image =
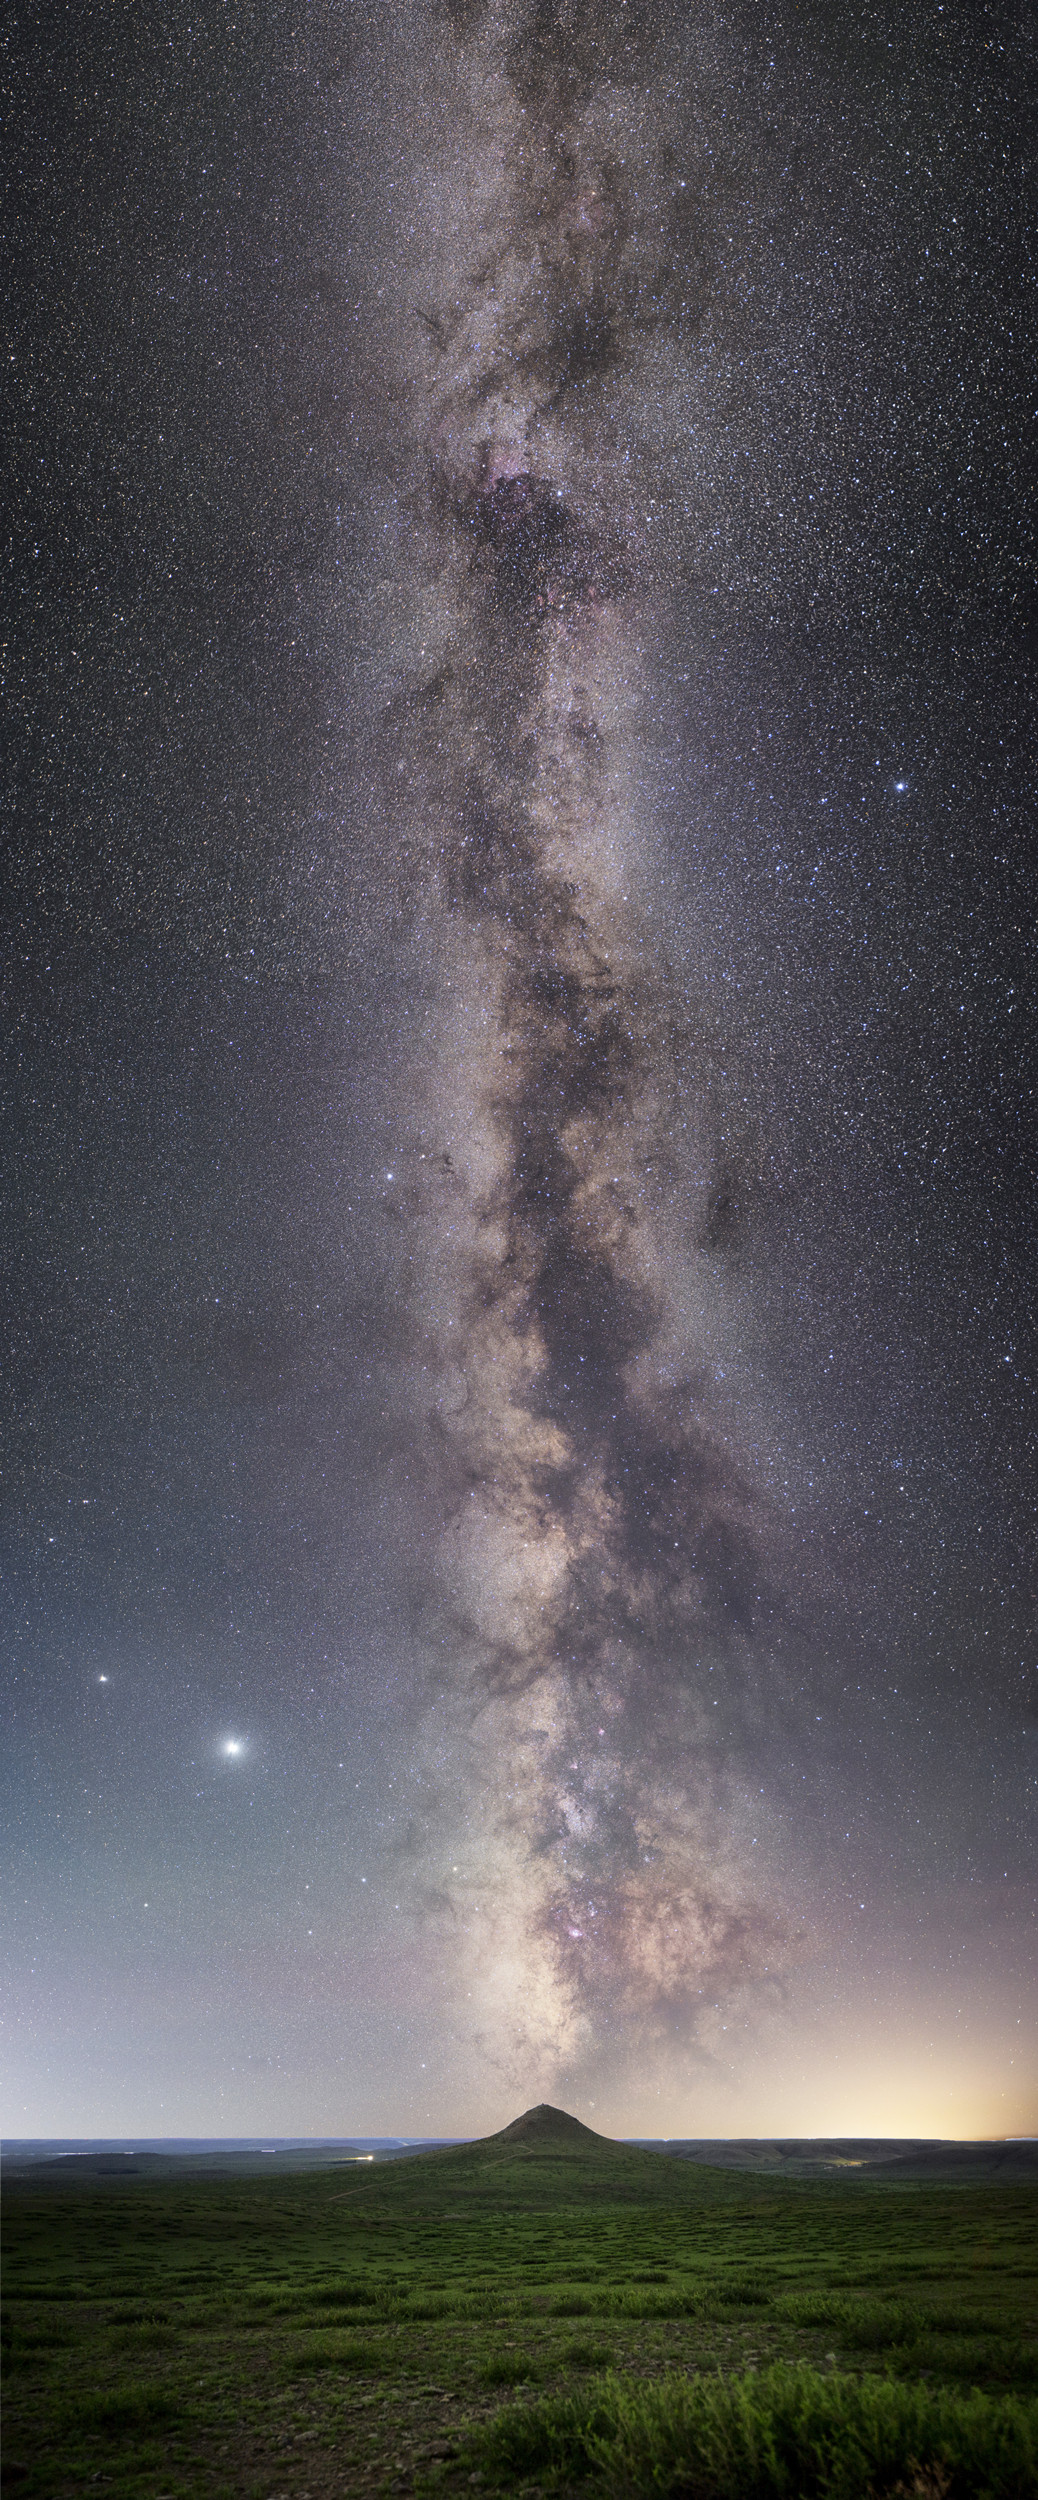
{"x": 520, "y": 1123}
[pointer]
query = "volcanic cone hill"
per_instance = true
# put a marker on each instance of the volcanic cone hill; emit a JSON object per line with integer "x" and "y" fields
{"x": 545, "y": 2157}
{"x": 544, "y": 2129}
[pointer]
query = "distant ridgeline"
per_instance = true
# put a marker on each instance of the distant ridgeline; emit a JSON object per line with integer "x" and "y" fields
{"x": 544, "y": 2132}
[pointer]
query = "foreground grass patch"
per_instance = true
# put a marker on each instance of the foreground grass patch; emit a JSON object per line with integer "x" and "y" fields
{"x": 787, "y": 2432}
{"x": 584, "y": 2356}
{"x": 881, "y": 2325}
{"x": 509, "y": 2370}
{"x": 123, "y": 2409}
{"x": 333, "y": 2352}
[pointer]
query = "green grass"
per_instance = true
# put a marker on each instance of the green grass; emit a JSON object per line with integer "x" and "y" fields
{"x": 333, "y": 2352}
{"x": 586, "y": 2356}
{"x": 787, "y": 2432}
{"x": 204, "y": 2338}
{"x": 116, "y": 2408}
{"x": 509, "y": 2370}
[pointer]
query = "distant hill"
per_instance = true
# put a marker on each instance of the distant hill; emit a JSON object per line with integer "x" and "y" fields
{"x": 546, "y": 2130}
{"x": 884, "y": 2159}
{"x": 542, "y": 2158}
{"x": 547, "y": 2157}
{"x": 38, "y": 2163}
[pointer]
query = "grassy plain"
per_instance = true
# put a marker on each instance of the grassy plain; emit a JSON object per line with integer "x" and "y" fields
{"x": 533, "y": 2315}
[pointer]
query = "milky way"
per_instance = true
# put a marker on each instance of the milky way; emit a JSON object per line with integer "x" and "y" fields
{"x": 602, "y": 1551}
{"x": 518, "y": 1546}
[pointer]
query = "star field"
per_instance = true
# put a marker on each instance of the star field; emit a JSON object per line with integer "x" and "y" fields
{"x": 520, "y": 1069}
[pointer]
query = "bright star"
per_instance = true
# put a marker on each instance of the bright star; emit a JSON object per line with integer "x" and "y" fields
{"x": 232, "y": 1745}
